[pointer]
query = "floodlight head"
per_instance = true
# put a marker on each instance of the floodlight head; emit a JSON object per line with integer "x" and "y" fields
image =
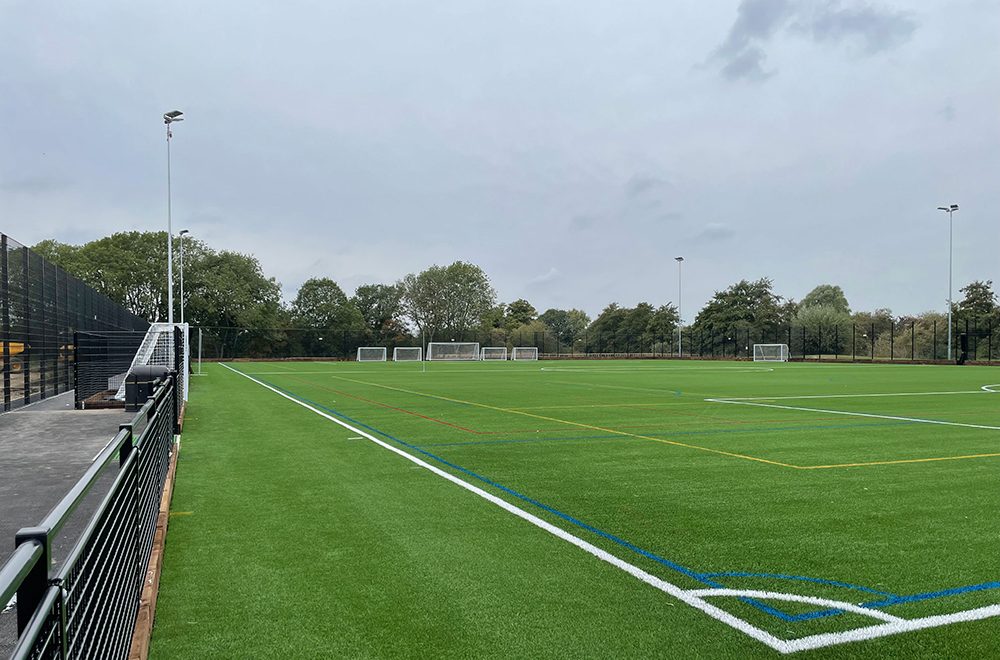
{"x": 184, "y": 231}
{"x": 954, "y": 207}
{"x": 172, "y": 116}
{"x": 943, "y": 208}
{"x": 678, "y": 259}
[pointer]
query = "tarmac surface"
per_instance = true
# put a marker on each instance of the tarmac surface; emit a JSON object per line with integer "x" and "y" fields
{"x": 44, "y": 449}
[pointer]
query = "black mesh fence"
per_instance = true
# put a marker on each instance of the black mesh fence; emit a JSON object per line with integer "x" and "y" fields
{"x": 914, "y": 340}
{"x": 41, "y": 308}
{"x": 102, "y": 362}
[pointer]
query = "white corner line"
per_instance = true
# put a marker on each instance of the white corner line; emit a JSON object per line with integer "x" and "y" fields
{"x": 847, "y": 396}
{"x": 891, "y": 627}
{"x": 989, "y": 388}
{"x": 796, "y": 598}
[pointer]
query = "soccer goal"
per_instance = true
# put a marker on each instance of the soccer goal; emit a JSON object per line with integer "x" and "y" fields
{"x": 494, "y": 353}
{"x": 371, "y": 354}
{"x": 770, "y": 352}
{"x": 524, "y": 353}
{"x": 453, "y": 351}
{"x": 407, "y": 354}
{"x": 165, "y": 345}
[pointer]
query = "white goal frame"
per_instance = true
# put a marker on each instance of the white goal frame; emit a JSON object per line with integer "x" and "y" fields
{"x": 397, "y": 354}
{"x": 381, "y": 352}
{"x": 524, "y": 353}
{"x": 770, "y": 352}
{"x": 157, "y": 350}
{"x": 493, "y": 353}
{"x": 453, "y": 351}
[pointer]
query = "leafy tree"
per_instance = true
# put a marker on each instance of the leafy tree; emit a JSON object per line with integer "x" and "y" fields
{"x": 322, "y": 304}
{"x": 979, "y": 301}
{"x": 828, "y": 295}
{"x": 381, "y": 308}
{"x": 744, "y": 306}
{"x": 568, "y": 325}
{"x": 447, "y": 299}
{"x": 519, "y": 312}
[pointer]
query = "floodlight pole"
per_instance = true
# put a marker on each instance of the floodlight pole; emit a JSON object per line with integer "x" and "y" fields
{"x": 169, "y": 118}
{"x": 679, "y": 260}
{"x": 181, "y": 234}
{"x": 950, "y": 210}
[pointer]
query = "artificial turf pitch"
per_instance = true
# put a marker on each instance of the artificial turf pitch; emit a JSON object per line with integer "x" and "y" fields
{"x": 294, "y": 536}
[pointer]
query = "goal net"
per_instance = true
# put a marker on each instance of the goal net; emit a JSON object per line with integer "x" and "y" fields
{"x": 161, "y": 347}
{"x": 453, "y": 351}
{"x": 524, "y": 353}
{"x": 494, "y": 353}
{"x": 371, "y": 354}
{"x": 770, "y": 352}
{"x": 407, "y": 354}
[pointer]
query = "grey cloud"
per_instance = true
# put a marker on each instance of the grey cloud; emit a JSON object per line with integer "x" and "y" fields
{"x": 581, "y": 222}
{"x": 715, "y": 232}
{"x": 639, "y": 185}
{"x": 876, "y": 29}
{"x": 741, "y": 55}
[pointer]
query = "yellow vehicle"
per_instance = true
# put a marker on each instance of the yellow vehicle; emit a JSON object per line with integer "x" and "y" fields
{"x": 15, "y": 348}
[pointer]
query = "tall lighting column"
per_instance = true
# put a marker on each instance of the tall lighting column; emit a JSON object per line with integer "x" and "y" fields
{"x": 679, "y": 260}
{"x": 950, "y": 210}
{"x": 169, "y": 118}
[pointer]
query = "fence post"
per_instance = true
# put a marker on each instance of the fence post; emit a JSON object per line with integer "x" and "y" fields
{"x": 934, "y": 346}
{"x": 5, "y": 292}
{"x": 913, "y": 340}
{"x": 854, "y": 342}
{"x": 26, "y": 357}
{"x": 872, "y": 340}
{"x": 32, "y": 589}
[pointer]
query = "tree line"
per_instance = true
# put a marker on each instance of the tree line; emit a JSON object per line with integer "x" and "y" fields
{"x": 229, "y": 291}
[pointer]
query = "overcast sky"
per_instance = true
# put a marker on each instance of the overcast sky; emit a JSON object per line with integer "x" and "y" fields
{"x": 571, "y": 149}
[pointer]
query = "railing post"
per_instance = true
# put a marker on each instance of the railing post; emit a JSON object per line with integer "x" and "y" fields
{"x": 5, "y": 292}
{"x": 32, "y": 590}
{"x": 174, "y": 395}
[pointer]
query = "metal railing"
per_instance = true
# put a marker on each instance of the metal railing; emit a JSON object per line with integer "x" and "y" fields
{"x": 85, "y": 605}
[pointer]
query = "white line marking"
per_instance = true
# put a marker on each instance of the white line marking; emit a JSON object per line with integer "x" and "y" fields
{"x": 886, "y": 629}
{"x": 849, "y": 396}
{"x": 893, "y": 626}
{"x": 796, "y": 598}
{"x": 855, "y": 414}
{"x": 640, "y": 369}
{"x": 989, "y": 388}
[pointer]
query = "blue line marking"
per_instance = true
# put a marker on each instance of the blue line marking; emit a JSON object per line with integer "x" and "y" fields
{"x": 707, "y": 579}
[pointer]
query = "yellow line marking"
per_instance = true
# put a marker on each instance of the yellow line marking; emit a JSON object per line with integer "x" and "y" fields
{"x": 898, "y": 461}
{"x": 673, "y": 442}
{"x": 578, "y": 424}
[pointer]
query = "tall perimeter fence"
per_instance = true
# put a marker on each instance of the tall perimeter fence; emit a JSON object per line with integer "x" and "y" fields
{"x": 42, "y": 307}
{"x": 912, "y": 340}
{"x": 84, "y": 603}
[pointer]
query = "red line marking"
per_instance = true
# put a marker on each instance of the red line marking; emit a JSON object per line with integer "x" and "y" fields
{"x": 386, "y": 405}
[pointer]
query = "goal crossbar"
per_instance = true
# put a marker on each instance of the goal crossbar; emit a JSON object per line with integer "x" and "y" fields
{"x": 770, "y": 352}
{"x": 453, "y": 351}
{"x": 371, "y": 354}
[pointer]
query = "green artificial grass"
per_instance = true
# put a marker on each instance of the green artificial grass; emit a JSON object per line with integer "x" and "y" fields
{"x": 293, "y": 537}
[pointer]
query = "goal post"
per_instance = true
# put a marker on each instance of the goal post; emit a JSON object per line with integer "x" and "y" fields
{"x": 371, "y": 354}
{"x": 524, "y": 353}
{"x": 453, "y": 351}
{"x": 407, "y": 354}
{"x": 770, "y": 352}
{"x": 494, "y": 353}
